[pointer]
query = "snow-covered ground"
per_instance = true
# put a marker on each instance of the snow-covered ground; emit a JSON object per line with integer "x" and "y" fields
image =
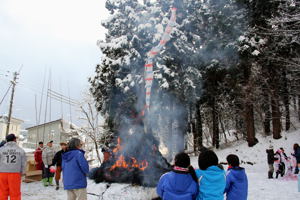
{"x": 260, "y": 188}
{"x": 35, "y": 191}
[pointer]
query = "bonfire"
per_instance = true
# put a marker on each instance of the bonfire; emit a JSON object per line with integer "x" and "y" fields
{"x": 136, "y": 161}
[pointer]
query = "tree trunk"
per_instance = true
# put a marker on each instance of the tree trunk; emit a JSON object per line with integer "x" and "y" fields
{"x": 267, "y": 112}
{"x": 199, "y": 131}
{"x": 216, "y": 135}
{"x": 223, "y": 129}
{"x": 295, "y": 103}
{"x": 248, "y": 107}
{"x": 250, "y": 128}
{"x": 193, "y": 128}
{"x": 239, "y": 126}
{"x": 97, "y": 151}
{"x": 299, "y": 107}
{"x": 286, "y": 101}
{"x": 276, "y": 118}
{"x": 287, "y": 114}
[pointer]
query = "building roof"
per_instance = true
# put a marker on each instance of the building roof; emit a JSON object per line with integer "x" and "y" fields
{"x": 51, "y": 122}
{"x": 4, "y": 118}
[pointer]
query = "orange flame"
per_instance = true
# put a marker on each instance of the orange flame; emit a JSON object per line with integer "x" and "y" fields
{"x": 121, "y": 162}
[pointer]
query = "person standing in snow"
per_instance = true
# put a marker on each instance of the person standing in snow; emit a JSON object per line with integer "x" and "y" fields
{"x": 75, "y": 169}
{"x": 280, "y": 157}
{"x": 271, "y": 159}
{"x": 296, "y": 154}
{"x": 211, "y": 177}
{"x": 47, "y": 157}
{"x": 12, "y": 166}
{"x": 283, "y": 153}
{"x": 236, "y": 180}
{"x": 38, "y": 156}
{"x": 181, "y": 183}
{"x": 57, "y": 160}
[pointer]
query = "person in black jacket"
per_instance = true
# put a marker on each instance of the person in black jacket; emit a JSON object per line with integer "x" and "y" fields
{"x": 57, "y": 160}
{"x": 271, "y": 160}
{"x": 296, "y": 154}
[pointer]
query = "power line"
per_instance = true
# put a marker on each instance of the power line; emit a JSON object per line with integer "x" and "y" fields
{"x": 55, "y": 95}
{"x": 5, "y": 94}
{"x": 61, "y": 97}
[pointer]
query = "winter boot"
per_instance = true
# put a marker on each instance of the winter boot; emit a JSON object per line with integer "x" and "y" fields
{"x": 45, "y": 182}
{"x": 270, "y": 175}
{"x": 57, "y": 184}
{"x": 277, "y": 174}
{"x": 51, "y": 181}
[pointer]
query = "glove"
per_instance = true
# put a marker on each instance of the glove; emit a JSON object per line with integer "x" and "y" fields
{"x": 46, "y": 166}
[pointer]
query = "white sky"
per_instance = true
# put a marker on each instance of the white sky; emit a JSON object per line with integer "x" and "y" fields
{"x": 60, "y": 35}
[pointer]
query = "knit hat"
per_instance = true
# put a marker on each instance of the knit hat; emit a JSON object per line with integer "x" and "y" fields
{"x": 10, "y": 137}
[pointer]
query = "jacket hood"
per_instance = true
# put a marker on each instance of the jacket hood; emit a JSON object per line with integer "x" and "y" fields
{"x": 69, "y": 155}
{"x": 238, "y": 173}
{"x": 10, "y": 143}
{"x": 214, "y": 173}
{"x": 180, "y": 182}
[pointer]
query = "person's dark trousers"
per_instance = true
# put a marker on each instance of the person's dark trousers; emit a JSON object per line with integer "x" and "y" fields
{"x": 271, "y": 171}
{"x": 43, "y": 170}
{"x": 297, "y": 169}
{"x": 57, "y": 176}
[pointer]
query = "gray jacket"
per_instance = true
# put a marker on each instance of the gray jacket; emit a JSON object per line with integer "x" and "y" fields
{"x": 48, "y": 155}
{"x": 12, "y": 158}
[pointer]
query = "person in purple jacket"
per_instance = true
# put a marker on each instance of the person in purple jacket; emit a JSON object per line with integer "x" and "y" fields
{"x": 75, "y": 169}
{"x": 236, "y": 180}
{"x": 181, "y": 183}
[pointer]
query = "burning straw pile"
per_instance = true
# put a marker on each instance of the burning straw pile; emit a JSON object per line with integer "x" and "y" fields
{"x": 136, "y": 161}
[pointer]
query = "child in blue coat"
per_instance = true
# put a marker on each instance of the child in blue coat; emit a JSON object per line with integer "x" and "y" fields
{"x": 211, "y": 177}
{"x": 181, "y": 183}
{"x": 236, "y": 180}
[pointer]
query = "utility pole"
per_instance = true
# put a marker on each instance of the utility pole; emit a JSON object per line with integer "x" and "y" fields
{"x": 13, "y": 82}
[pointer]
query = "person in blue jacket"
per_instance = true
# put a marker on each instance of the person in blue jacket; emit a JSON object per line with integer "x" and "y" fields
{"x": 236, "y": 180}
{"x": 181, "y": 183}
{"x": 75, "y": 169}
{"x": 211, "y": 177}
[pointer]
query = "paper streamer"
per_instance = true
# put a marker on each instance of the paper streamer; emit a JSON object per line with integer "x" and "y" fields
{"x": 153, "y": 53}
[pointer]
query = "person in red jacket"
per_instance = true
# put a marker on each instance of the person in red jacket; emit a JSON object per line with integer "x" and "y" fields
{"x": 38, "y": 156}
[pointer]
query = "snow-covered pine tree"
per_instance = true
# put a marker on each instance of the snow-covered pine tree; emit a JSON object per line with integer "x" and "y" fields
{"x": 221, "y": 25}
{"x": 285, "y": 29}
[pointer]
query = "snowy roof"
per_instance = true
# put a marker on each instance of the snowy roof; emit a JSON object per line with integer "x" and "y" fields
{"x": 4, "y": 119}
{"x": 52, "y": 122}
